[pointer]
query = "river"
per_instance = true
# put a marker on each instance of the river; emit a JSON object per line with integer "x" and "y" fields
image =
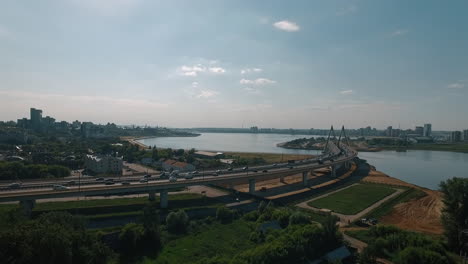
{"x": 420, "y": 167}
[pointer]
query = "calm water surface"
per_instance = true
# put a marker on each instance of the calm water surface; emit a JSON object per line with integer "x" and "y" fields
{"x": 420, "y": 167}
{"x": 241, "y": 142}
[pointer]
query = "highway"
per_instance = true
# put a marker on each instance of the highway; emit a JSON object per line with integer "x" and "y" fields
{"x": 89, "y": 180}
{"x": 90, "y": 188}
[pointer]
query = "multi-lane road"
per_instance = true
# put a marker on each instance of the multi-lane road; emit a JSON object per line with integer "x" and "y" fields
{"x": 155, "y": 184}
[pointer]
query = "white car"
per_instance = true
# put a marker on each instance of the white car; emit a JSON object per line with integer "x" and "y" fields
{"x": 172, "y": 179}
{"x": 189, "y": 175}
{"x": 60, "y": 188}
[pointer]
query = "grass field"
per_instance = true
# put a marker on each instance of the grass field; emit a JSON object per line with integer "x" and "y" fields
{"x": 52, "y": 206}
{"x": 218, "y": 240}
{"x": 354, "y": 199}
{"x": 269, "y": 157}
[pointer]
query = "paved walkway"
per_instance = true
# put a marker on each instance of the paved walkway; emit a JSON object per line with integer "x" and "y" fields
{"x": 346, "y": 219}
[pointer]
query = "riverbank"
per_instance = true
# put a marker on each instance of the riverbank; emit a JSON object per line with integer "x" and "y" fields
{"x": 360, "y": 147}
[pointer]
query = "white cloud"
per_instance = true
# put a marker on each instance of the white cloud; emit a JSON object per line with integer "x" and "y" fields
{"x": 251, "y": 90}
{"x": 457, "y": 85}
{"x": 195, "y": 84}
{"x": 259, "y": 81}
{"x": 199, "y": 68}
{"x": 347, "y": 10}
{"x": 191, "y": 73}
{"x": 347, "y": 92}
{"x": 207, "y": 94}
{"x": 250, "y": 70}
{"x": 191, "y": 70}
{"x": 286, "y": 26}
{"x": 217, "y": 70}
{"x": 399, "y": 32}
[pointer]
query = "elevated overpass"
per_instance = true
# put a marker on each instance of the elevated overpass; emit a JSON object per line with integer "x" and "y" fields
{"x": 335, "y": 155}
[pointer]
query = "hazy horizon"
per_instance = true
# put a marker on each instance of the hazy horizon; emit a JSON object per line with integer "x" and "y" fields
{"x": 302, "y": 64}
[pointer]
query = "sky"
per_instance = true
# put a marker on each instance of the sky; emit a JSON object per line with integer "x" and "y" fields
{"x": 282, "y": 64}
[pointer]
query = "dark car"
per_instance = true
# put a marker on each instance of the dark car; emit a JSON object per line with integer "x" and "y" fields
{"x": 291, "y": 167}
{"x": 99, "y": 179}
{"x": 229, "y": 169}
{"x": 265, "y": 171}
{"x": 320, "y": 161}
{"x": 109, "y": 183}
{"x": 263, "y": 189}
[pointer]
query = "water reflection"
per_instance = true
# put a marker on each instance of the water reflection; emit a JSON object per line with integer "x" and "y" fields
{"x": 423, "y": 168}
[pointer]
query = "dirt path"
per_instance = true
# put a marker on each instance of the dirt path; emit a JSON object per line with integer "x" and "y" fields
{"x": 346, "y": 219}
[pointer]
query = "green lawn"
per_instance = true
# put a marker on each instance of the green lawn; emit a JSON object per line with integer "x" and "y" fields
{"x": 50, "y": 206}
{"x": 354, "y": 199}
{"x": 217, "y": 240}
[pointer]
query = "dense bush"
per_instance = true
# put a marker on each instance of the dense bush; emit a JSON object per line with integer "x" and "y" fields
{"x": 177, "y": 222}
{"x": 293, "y": 245}
{"x": 389, "y": 242}
{"x": 299, "y": 218}
{"x": 52, "y": 238}
{"x": 18, "y": 170}
{"x": 224, "y": 215}
{"x": 131, "y": 238}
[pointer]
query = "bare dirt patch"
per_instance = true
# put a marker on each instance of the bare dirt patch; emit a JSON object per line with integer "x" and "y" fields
{"x": 421, "y": 214}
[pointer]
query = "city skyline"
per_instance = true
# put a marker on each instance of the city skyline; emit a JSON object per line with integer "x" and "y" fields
{"x": 236, "y": 64}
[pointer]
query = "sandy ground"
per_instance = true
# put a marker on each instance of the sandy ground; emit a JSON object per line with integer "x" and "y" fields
{"x": 421, "y": 214}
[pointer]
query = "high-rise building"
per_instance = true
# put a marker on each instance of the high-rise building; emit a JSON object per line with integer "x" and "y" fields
{"x": 389, "y": 131}
{"x": 427, "y": 130}
{"x": 419, "y": 130}
{"x": 465, "y": 134}
{"x": 455, "y": 136}
{"x": 36, "y": 118}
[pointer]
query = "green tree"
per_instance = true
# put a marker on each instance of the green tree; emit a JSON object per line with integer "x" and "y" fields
{"x": 455, "y": 210}
{"x": 131, "y": 238}
{"x": 411, "y": 255}
{"x": 55, "y": 237}
{"x": 177, "y": 222}
{"x": 299, "y": 218}
{"x": 224, "y": 215}
{"x": 155, "y": 154}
